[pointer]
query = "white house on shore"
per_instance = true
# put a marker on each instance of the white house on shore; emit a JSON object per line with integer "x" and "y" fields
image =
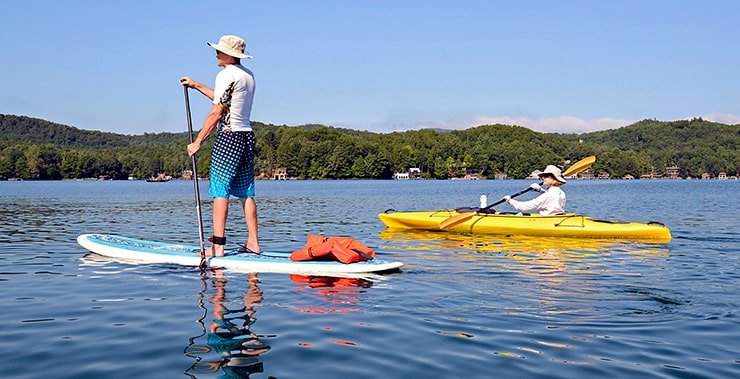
{"x": 412, "y": 173}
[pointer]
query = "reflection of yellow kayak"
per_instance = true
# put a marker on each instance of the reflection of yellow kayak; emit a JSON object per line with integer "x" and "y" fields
{"x": 567, "y": 225}
{"x": 535, "y": 256}
{"x": 437, "y": 240}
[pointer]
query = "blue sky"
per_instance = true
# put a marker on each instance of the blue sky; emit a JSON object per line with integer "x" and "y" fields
{"x": 380, "y": 65}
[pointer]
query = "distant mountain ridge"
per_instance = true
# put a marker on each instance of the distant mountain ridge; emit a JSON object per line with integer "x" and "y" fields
{"x": 690, "y": 135}
{"x": 38, "y": 131}
{"x": 640, "y": 136}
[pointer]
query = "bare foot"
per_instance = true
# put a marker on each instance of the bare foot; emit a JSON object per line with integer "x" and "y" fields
{"x": 215, "y": 251}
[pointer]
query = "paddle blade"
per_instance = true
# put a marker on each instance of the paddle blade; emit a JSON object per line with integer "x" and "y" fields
{"x": 455, "y": 220}
{"x": 580, "y": 166}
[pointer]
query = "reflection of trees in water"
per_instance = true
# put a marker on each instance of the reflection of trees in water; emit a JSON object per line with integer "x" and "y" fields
{"x": 229, "y": 333}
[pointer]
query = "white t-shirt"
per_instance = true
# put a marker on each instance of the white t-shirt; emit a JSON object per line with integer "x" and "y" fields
{"x": 549, "y": 203}
{"x": 234, "y": 90}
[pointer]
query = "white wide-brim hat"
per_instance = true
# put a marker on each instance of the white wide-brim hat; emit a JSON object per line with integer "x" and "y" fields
{"x": 231, "y": 45}
{"x": 554, "y": 171}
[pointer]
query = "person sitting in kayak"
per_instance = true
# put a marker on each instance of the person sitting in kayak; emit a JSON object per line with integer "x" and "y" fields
{"x": 551, "y": 201}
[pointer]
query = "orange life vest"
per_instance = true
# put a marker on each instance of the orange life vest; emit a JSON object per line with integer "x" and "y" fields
{"x": 343, "y": 249}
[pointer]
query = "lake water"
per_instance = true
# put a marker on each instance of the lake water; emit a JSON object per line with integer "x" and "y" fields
{"x": 462, "y": 307}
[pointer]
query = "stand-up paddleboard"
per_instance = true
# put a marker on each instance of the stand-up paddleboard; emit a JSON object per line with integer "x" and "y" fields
{"x": 141, "y": 251}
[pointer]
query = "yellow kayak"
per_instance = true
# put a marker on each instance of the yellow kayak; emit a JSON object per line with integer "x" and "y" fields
{"x": 524, "y": 224}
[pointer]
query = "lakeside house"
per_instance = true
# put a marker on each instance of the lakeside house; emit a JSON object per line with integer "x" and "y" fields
{"x": 412, "y": 173}
{"x": 470, "y": 175}
{"x": 587, "y": 175}
{"x": 535, "y": 174}
{"x": 159, "y": 178}
{"x": 673, "y": 172}
{"x": 280, "y": 173}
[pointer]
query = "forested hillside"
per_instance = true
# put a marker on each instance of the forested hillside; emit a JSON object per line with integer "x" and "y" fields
{"x": 37, "y": 149}
{"x": 37, "y": 131}
{"x": 695, "y": 146}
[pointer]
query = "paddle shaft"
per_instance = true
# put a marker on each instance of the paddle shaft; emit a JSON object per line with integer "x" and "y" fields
{"x": 201, "y": 237}
{"x": 460, "y": 218}
{"x": 502, "y": 200}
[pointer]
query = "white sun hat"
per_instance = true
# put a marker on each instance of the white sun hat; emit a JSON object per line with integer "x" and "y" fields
{"x": 554, "y": 171}
{"x": 231, "y": 45}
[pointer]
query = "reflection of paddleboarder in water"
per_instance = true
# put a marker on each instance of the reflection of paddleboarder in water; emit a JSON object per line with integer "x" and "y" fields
{"x": 230, "y": 333}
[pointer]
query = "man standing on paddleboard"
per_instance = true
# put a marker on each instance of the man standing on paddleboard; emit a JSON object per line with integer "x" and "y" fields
{"x": 232, "y": 159}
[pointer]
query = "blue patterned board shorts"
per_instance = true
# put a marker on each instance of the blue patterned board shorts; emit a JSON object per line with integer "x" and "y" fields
{"x": 232, "y": 165}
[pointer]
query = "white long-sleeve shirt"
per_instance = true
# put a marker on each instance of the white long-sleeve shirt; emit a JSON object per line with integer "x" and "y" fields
{"x": 549, "y": 203}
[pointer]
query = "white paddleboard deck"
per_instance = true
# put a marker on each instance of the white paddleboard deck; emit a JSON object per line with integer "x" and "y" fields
{"x": 142, "y": 251}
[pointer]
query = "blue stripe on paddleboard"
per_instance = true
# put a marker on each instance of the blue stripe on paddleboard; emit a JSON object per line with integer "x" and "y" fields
{"x": 164, "y": 248}
{"x": 180, "y": 250}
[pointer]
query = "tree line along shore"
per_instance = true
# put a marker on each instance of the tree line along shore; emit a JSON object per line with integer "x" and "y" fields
{"x": 35, "y": 149}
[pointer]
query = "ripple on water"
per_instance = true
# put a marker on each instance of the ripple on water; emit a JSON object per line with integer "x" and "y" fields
{"x": 463, "y": 306}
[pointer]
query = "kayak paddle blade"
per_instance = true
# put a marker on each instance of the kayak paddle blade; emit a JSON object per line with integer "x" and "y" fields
{"x": 455, "y": 220}
{"x": 580, "y": 166}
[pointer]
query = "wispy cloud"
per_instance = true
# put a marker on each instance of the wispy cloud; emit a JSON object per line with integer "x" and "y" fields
{"x": 562, "y": 124}
{"x": 724, "y": 118}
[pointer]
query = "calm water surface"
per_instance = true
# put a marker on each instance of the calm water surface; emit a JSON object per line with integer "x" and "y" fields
{"x": 462, "y": 307}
